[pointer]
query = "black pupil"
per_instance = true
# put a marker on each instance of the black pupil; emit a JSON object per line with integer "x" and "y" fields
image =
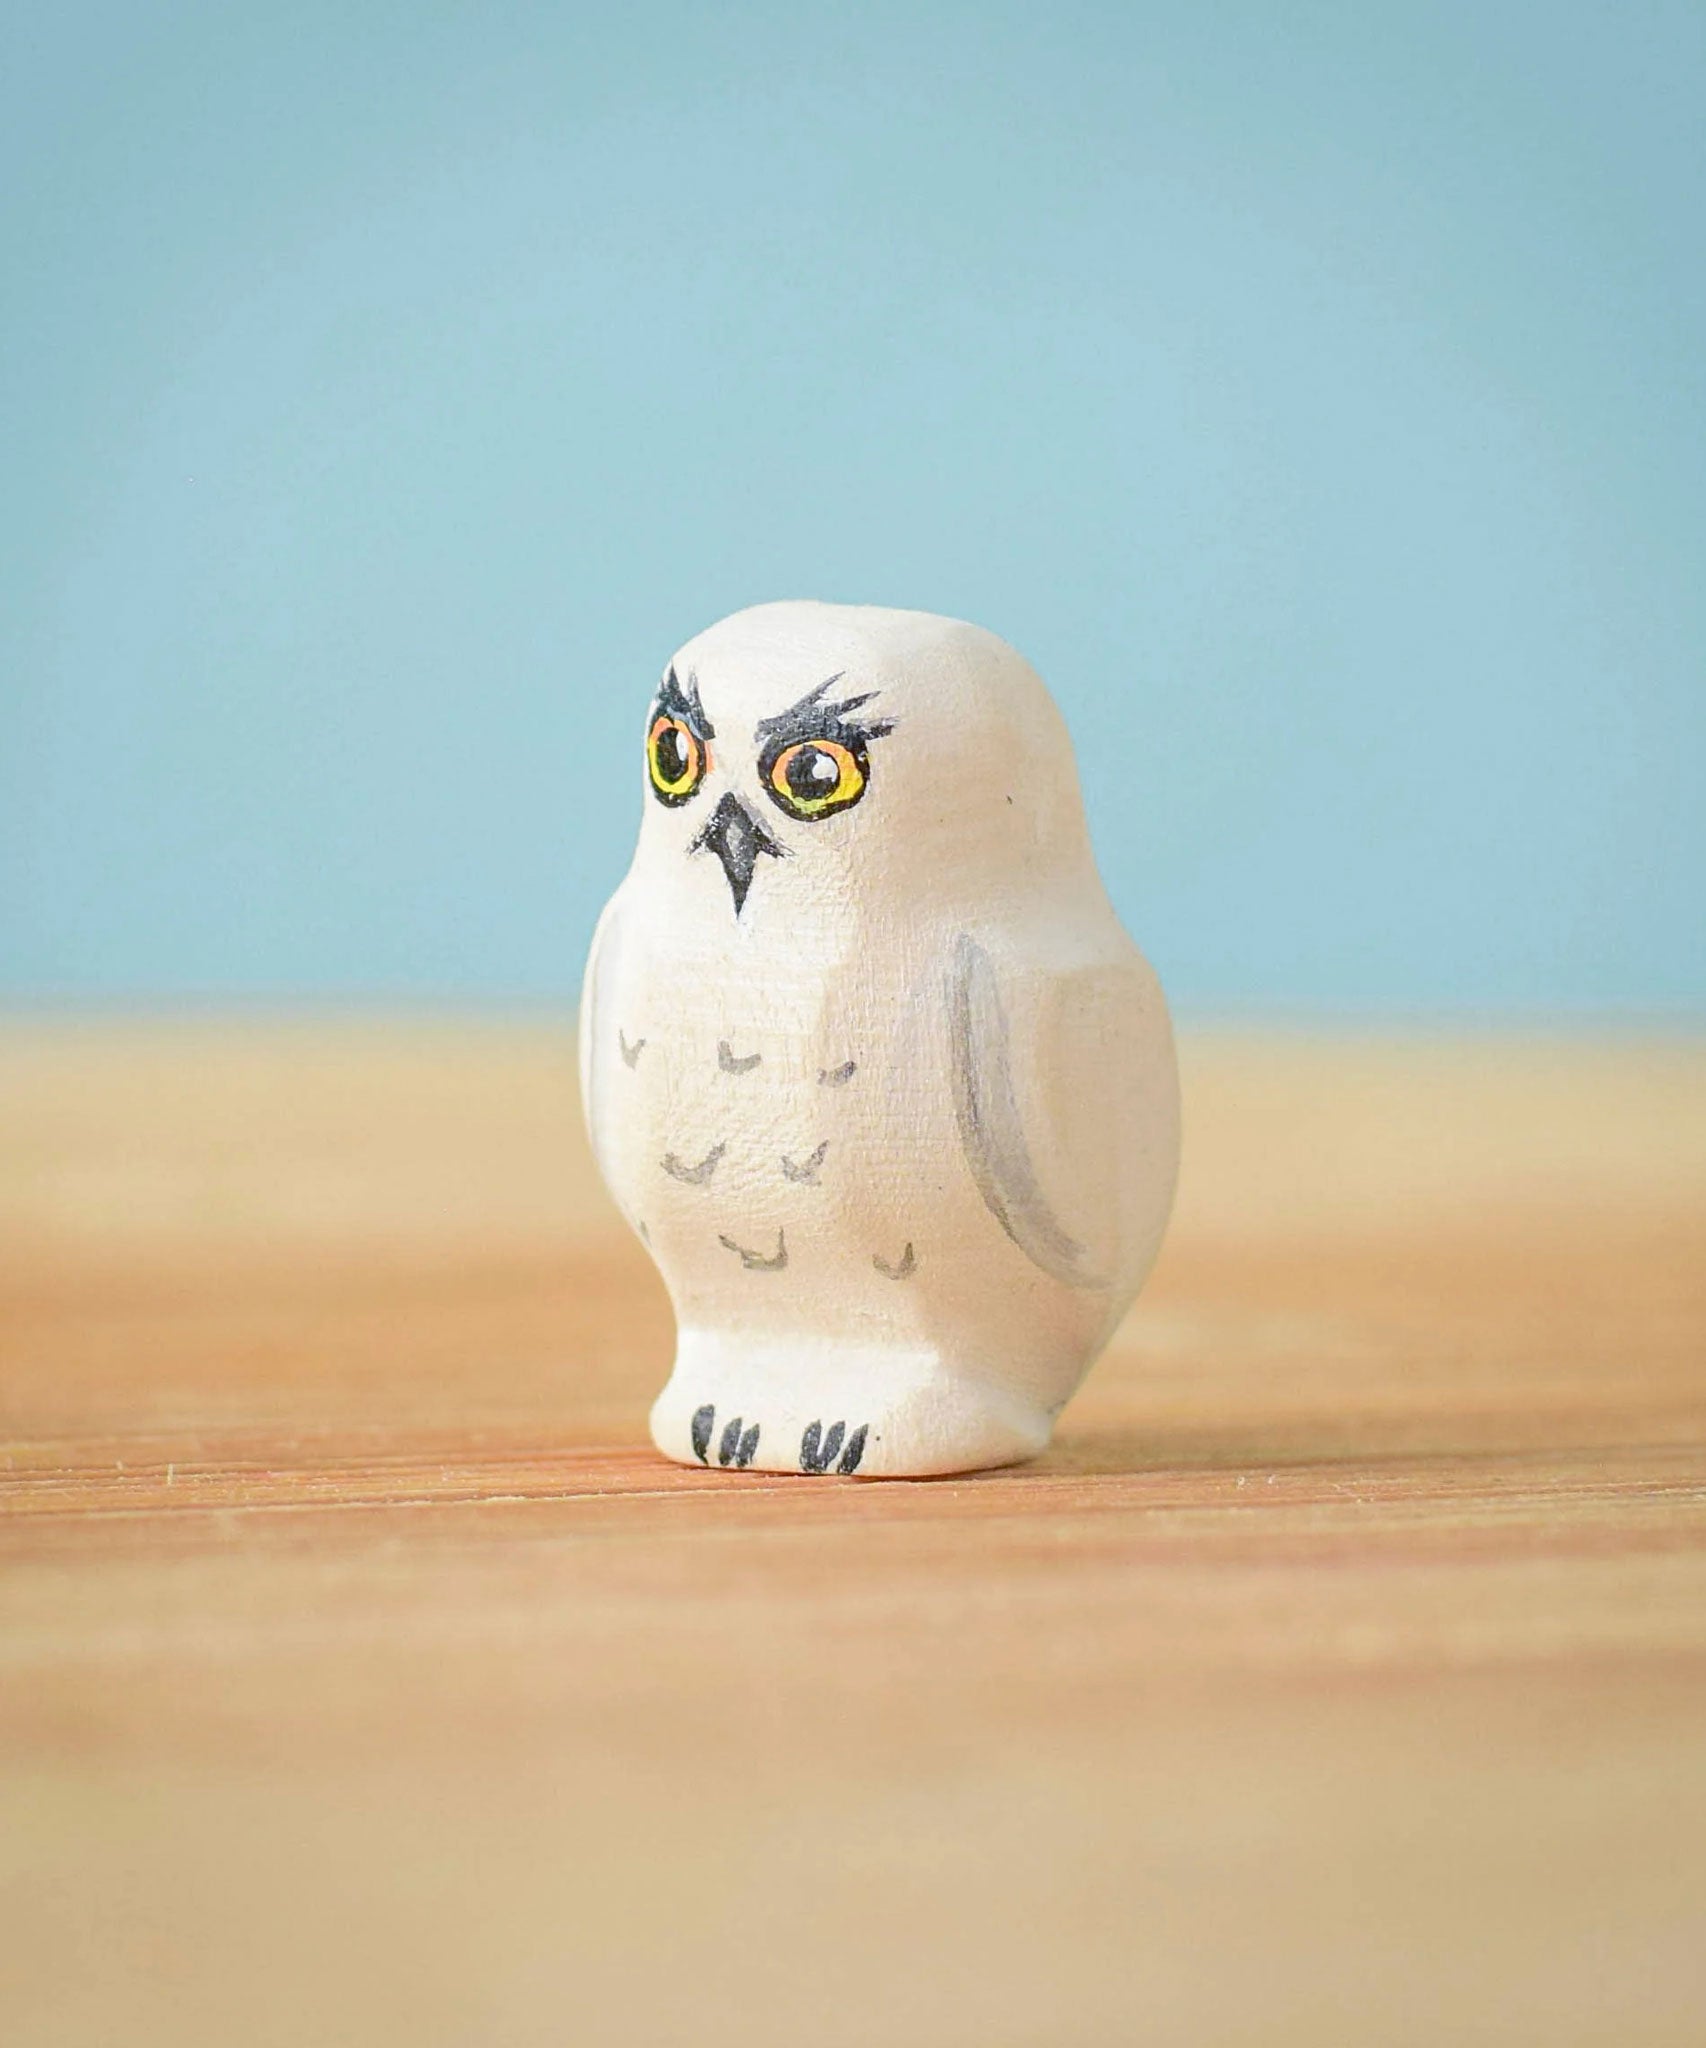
{"x": 812, "y": 773}
{"x": 674, "y": 758}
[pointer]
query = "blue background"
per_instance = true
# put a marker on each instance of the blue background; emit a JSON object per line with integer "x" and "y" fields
{"x": 1317, "y": 394}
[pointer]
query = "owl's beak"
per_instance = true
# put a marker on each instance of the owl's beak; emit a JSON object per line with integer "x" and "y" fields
{"x": 737, "y": 838}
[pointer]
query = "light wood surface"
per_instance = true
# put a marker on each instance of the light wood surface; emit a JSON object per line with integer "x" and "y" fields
{"x": 1339, "y": 1678}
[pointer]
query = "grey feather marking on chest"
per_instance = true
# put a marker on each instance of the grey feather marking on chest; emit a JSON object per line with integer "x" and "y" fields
{"x": 806, "y": 1169}
{"x": 992, "y": 1131}
{"x": 630, "y": 1053}
{"x": 730, "y": 1065}
{"x": 837, "y": 1077}
{"x": 758, "y": 1262}
{"x": 694, "y": 1176}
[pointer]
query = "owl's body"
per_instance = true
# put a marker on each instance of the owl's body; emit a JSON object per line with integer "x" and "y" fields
{"x": 880, "y": 1080}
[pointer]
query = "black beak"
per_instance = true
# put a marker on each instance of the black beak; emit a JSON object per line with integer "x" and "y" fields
{"x": 737, "y": 838}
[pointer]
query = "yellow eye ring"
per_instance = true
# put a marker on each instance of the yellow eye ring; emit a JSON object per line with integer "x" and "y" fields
{"x": 677, "y": 759}
{"x": 812, "y": 778}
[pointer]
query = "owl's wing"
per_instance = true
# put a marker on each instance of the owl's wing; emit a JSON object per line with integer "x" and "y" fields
{"x": 596, "y": 1031}
{"x": 1065, "y": 1096}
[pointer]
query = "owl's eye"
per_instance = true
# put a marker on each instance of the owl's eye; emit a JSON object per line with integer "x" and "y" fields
{"x": 677, "y": 759}
{"x": 812, "y": 778}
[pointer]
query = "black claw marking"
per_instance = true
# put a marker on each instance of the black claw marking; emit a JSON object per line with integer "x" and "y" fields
{"x": 695, "y": 1176}
{"x": 730, "y": 1065}
{"x": 701, "y": 1432}
{"x": 903, "y": 1270}
{"x": 630, "y": 1053}
{"x": 737, "y": 1448}
{"x": 837, "y": 1077}
{"x": 758, "y": 1262}
{"x": 806, "y": 1169}
{"x": 818, "y": 1451}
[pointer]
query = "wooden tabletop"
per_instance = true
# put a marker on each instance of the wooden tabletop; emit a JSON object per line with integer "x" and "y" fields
{"x": 1340, "y": 1677}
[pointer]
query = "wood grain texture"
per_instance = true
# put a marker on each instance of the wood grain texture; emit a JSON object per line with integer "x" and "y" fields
{"x": 1339, "y": 1676}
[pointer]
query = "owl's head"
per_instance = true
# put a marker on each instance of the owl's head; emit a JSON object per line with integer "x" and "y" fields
{"x": 799, "y": 751}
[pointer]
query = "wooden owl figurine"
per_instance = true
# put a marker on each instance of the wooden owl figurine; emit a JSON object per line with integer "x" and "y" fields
{"x": 868, "y": 1061}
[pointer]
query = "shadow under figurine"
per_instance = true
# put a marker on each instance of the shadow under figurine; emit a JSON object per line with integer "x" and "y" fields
{"x": 868, "y": 1060}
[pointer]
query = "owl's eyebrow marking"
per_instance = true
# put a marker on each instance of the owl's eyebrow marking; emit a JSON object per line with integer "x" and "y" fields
{"x": 684, "y": 704}
{"x": 812, "y": 719}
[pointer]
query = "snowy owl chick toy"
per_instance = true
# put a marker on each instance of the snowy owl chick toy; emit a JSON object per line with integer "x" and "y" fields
{"x": 868, "y": 1061}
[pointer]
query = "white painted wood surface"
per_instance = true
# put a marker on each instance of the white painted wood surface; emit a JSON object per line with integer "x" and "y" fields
{"x": 868, "y": 1060}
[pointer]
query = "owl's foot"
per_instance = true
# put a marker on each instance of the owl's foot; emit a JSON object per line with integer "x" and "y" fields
{"x": 736, "y": 1445}
{"x": 819, "y": 1450}
{"x": 837, "y": 1412}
